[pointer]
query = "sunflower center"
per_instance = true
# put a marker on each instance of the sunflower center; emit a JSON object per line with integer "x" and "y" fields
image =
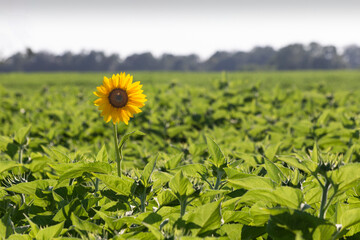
{"x": 118, "y": 98}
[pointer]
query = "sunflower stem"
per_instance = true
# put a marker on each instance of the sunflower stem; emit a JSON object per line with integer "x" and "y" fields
{"x": 21, "y": 154}
{"x": 117, "y": 151}
{"x": 183, "y": 202}
{"x": 324, "y": 198}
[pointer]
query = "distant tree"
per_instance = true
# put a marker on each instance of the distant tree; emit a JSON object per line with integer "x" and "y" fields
{"x": 16, "y": 62}
{"x": 144, "y": 61}
{"x": 29, "y": 52}
{"x": 351, "y": 56}
{"x": 261, "y": 56}
{"x": 169, "y": 62}
{"x": 219, "y": 61}
{"x": 323, "y": 57}
{"x": 257, "y": 58}
{"x": 291, "y": 57}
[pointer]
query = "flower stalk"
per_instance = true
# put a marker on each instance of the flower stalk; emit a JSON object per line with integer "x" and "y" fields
{"x": 218, "y": 178}
{"x": 117, "y": 150}
{"x": 183, "y": 202}
{"x": 143, "y": 200}
{"x": 21, "y": 154}
{"x": 323, "y": 205}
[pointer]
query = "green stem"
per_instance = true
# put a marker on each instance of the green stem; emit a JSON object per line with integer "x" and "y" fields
{"x": 96, "y": 186}
{"x": 330, "y": 200}
{"x": 117, "y": 151}
{"x": 21, "y": 154}
{"x": 182, "y": 206}
{"x": 317, "y": 178}
{"x": 143, "y": 200}
{"x": 218, "y": 179}
{"x": 324, "y": 198}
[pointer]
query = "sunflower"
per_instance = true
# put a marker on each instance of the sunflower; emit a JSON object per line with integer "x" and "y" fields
{"x": 119, "y": 98}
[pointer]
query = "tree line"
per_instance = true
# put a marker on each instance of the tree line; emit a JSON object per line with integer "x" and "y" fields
{"x": 290, "y": 57}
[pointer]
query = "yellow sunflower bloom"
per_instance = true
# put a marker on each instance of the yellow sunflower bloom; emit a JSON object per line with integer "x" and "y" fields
{"x": 119, "y": 98}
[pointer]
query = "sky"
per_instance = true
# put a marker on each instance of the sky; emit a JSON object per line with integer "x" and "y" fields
{"x": 177, "y": 27}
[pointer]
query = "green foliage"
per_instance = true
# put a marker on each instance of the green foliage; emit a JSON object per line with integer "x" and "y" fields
{"x": 181, "y": 186}
{"x": 216, "y": 156}
{"x": 20, "y": 135}
{"x": 237, "y": 159}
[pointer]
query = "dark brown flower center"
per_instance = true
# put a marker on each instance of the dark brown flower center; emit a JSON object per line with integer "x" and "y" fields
{"x": 118, "y": 98}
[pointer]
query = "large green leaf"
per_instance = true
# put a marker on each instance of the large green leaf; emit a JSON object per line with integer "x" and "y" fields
{"x": 346, "y": 176}
{"x": 127, "y": 136}
{"x": 155, "y": 231}
{"x": 115, "y": 183}
{"x": 180, "y": 185}
{"x": 7, "y": 165}
{"x": 74, "y": 207}
{"x": 102, "y": 155}
{"x": 305, "y": 165}
{"x": 324, "y": 232}
{"x": 274, "y": 172}
{"x": 165, "y": 197}
{"x": 191, "y": 170}
{"x": 5, "y": 226}
{"x": 173, "y": 161}
{"x": 252, "y": 182}
{"x": 205, "y": 218}
{"x": 271, "y": 150}
{"x": 30, "y": 187}
{"x": 148, "y": 170}
{"x": 21, "y": 133}
{"x": 175, "y": 131}
{"x": 349, "y": 218}
{"x": 85, "y": 225}
{"x": 50, "y": 232}
{"x": 232, "y": 231}
{"x": 80, "y": 168}
{"x": 315, "y": 154}
{"x": 216, "y": 155}
{"x": 34, "y": 229}
{"x": 292, "y": 224}
{"x": 284, "y": 196}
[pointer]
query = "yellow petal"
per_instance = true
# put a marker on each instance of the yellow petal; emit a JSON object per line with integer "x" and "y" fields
{"x": 137, "y": 101}
{"x": 112, "y": 82}
{"x": 125, "y": 81}
{"x": 118, "y": 81}
{"x": 137, "y": 96}
{"x": 135, "y": 92}
{"x": 106, "y": 84}
{"x": 124, "y": 117}
{"x": 128, "y": 82}
{"x": 134, "y": 109}
{"x": 113, "y": 115}
{"x": 107, "y": 118}
{"x": 98, "y": 94}
{"x": 133, "y": 86}
{"x": 99, "y": 101}
{"x": 128, "y": 111}
{"x": 122, "y": 82}
{"x": 137, "y": 104}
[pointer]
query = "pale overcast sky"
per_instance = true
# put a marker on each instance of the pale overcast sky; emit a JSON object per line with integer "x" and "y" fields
{"x": 179, "y": 27}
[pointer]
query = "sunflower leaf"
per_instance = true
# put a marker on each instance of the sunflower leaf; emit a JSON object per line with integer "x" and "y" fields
{"x": 217, "y": 156}
{"x": 181, "y": 185}
{"x": 148, "y": 170}
{"x": 21, "y": 133}
{"x": 126, "y": 137}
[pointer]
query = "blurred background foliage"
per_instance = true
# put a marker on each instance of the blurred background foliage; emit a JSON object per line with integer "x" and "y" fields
{"x": 290, "y": 57}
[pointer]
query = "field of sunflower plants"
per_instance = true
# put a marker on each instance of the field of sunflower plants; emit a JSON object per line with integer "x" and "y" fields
{"x": 225, "y": 159}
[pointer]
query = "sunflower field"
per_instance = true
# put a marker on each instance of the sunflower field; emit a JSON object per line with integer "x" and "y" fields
{"x": 221, "y": 156}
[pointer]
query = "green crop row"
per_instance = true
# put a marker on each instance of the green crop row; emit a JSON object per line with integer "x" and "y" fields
{"x": 230, "y": 159}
